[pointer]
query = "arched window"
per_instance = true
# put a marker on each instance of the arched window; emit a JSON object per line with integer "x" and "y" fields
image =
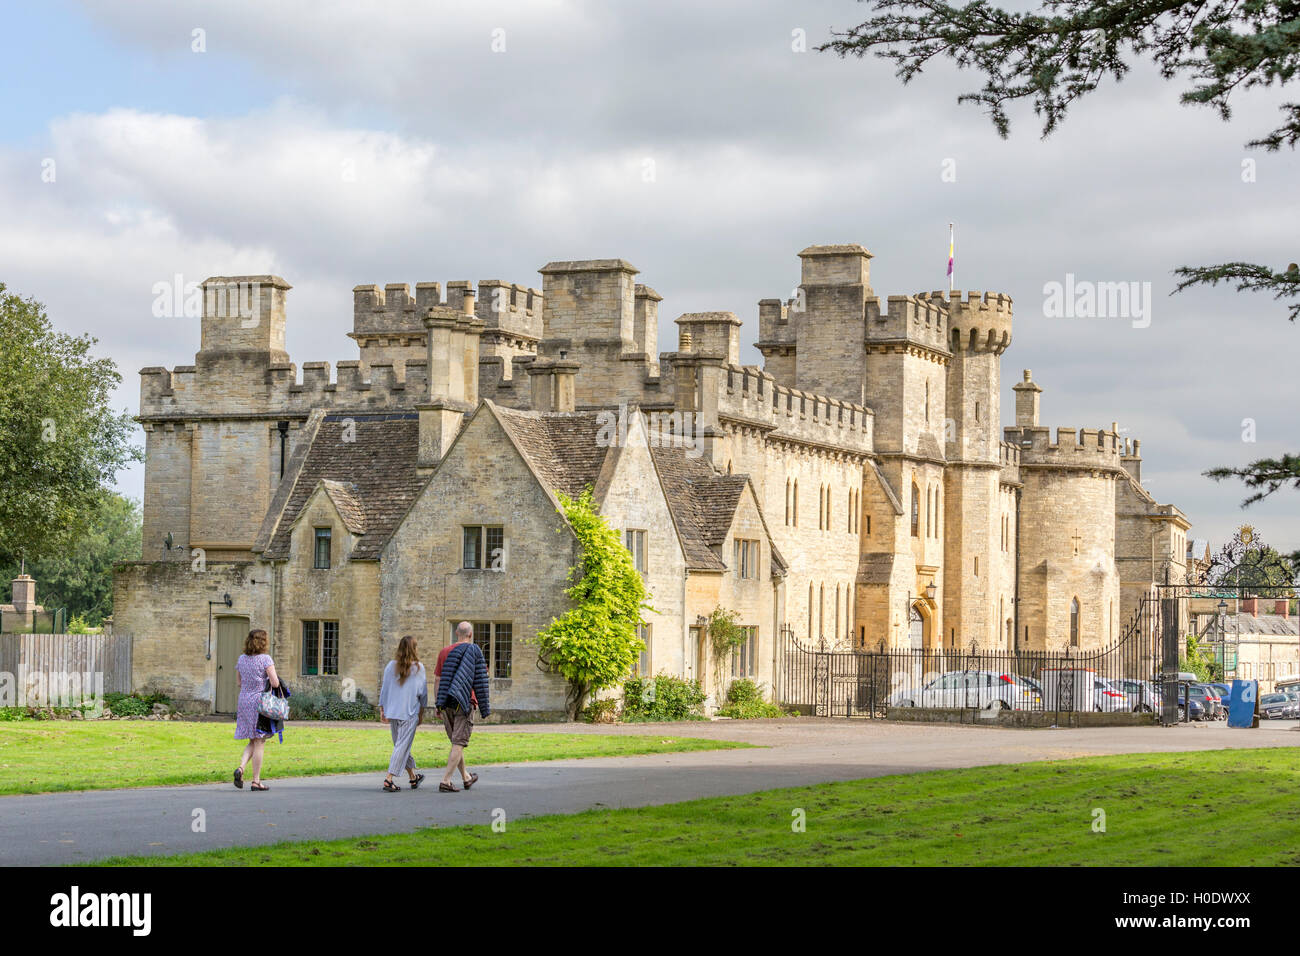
{"x": 810, "y": 612}
{"x": 821, "y": 508}
{"x": 821, "y": 611}
{"x": 1074, "y": 622}
{"x": 829, "y": 494}
{"x": 836, "y": 632}
{"x": 795, "y": 504}
{"x": 927, "y": 401}
{"x": 929, "y": 511}
{"x": 916, "y": 510}
{"x": 787, "y": 501}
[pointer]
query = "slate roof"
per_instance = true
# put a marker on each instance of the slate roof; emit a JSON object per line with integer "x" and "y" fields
{"x": 703, "y": 504}
{"x": 562, "y": 448}
{"x": 372, "y": 479}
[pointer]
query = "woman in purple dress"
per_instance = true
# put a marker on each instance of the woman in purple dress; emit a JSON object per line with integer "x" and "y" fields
{"x": 253, "y": 668}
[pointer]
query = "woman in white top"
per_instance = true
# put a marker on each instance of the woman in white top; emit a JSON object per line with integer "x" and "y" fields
{"x": 402, "y": 698}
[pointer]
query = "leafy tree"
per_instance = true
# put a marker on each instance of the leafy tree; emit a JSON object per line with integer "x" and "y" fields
{"x": 80, "y": 577}
{"x": 725, "y": 635}
{"x": 60, "y": 443}
{"x": 1059, "y": 53}
{"x": 595, "y": 644}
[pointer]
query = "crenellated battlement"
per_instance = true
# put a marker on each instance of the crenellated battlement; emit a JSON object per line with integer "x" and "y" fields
{"x": 184, "y": 391}
{"x": 1082, "y": 448}
{"x": 752, "y": 395}
{"x": 913, "y": 318}
{"x": 502, "y": 306}
{"x": 1009, "y": 459}
{"x": 977, "y": 321}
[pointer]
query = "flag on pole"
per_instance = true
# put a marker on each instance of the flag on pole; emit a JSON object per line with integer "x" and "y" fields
{"x": 950, "y": 256}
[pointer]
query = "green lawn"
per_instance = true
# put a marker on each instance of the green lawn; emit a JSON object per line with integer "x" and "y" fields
{"x": 1227, "y": 807}
{"x": 42, "y": 756}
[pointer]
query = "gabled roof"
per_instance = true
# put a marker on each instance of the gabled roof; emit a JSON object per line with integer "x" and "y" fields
{"x": 564, "y": 449}
{"x": 346, "y": 500}
{"x": 366, "y": 463}
{"x": 703, "y": 504}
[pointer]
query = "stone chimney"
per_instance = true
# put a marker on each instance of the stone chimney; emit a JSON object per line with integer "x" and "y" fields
{"x": 1282, "y": 607}
{"x": 24, "y": 590}
{"x": 1251, "y": 606}
{"x": 553, "y": 385}
{"x": 452, "y": 364}
{"x": 1027, "y": 402}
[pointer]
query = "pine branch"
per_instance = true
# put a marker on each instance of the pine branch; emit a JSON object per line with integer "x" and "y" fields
{"x": 1248, "y": 277}
{"x": 1057, "y": 55}
{"x": 1264, "y": 476}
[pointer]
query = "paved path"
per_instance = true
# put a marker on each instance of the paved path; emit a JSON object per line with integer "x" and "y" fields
{"x": 77, "y": 827}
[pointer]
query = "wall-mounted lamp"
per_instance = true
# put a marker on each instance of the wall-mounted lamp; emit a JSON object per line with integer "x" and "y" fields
{"x": 931, "y": 591}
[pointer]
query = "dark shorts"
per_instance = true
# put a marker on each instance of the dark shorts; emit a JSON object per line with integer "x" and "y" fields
{"x": 459, "y": 724}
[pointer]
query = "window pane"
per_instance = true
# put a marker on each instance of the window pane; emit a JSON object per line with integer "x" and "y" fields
{"x": 310, "y": 647}
{"x": 495, "y": 548}
{"x": 504, "y": 652}
{"x": 330, "y": 647}
{"x": 322, "y": 556}
{"x": 473, "y": 548}
{"x": 483, "y": 638}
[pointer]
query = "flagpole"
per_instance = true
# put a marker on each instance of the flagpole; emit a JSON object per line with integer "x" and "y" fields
{"x": 951, "y": 262}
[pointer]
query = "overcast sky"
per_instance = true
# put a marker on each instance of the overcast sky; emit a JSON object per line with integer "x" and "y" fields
{"x": 335, "y": 145}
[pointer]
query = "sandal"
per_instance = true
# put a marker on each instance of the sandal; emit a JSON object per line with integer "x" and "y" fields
{"x": 239, "y": 778}
{"x": 390, "y": 787}
{"x": 258, "y": 786}
{"x": 444, "y": 787}
{"x": 415, "y": 784}
{"x": 473, "y": 779}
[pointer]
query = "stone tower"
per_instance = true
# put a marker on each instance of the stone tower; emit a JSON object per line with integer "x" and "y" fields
{"x": 979, "y": 541}
{"x": 905, "y": 375}
{"x": 1069, "y": 586}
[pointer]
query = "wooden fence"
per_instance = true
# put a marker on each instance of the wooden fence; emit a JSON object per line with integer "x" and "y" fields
{"x": 61, "y": 669}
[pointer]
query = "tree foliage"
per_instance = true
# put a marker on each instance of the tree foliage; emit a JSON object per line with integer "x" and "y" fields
{"x": 80, "y": 577}
{"x": 60, "y": 443}
{"x": 1054, "y": 55}
{"x": 595, "y": 644}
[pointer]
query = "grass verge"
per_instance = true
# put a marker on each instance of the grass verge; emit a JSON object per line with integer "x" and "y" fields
{"x": 1226, "y": 807}
{"x": 47, "y": 756}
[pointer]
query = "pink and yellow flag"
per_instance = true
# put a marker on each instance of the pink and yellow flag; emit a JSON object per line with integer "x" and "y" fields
{"x": 950, "y": 256}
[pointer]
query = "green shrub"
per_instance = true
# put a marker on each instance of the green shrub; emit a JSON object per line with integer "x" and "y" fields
{"x": 745, "y": 701}
{"x": 601, "y": 711}
{"x": 132, "y": 705}
{"x": 314, "y": 704}
{"x": 662, "y": 698}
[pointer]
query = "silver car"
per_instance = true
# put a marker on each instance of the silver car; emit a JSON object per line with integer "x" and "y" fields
{"x": 1276, "y": 706}
{"x": 987, "y": 690}
{"x": 1143, "y": 695}
{"x": 1108, "y": 698}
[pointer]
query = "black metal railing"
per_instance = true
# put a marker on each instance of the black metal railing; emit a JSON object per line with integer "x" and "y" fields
{"x": 1125, "y": 675}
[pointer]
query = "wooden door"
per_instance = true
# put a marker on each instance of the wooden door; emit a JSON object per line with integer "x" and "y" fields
{"x": 231, "y": 634}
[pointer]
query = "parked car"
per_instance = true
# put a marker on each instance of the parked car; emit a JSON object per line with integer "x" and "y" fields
{"x": 1219, "y": 707}
{"x": 1108, "y": 698}
{"x": 1187, "y": 710}
{"x": 1225, "y": 693}
{"x": 1276, "y": 706}
{"x": 1143, "y": 695}
{"x": 1211, "y": 701}
{"x": 982, "y": 689}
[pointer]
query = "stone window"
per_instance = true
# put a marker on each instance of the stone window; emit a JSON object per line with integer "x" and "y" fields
{"x": 916, "y": 511}
{"x": 635, "y": 543}
{"x": 747, "y": 557}
{"x": 795, "y": 504}
{"x": 321, "y": 554}
{"x": 496, "y": 640}
{"x": 1074, "y": 622}
{"x": 483, "y": 548}
{"x": 320, "y": 648}
{"x": 642, "y": 666}
{"x": 744, "y": 659}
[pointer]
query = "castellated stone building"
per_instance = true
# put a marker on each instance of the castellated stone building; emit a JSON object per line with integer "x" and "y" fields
{"x": 858, "y": 490}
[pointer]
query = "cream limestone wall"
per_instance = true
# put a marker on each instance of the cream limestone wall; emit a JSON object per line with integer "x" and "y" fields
{"x": 346, "y": 592}
{"x": 424, "y": 590}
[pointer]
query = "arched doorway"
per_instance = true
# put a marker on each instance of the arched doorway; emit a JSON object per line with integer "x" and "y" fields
{"x": 915, "y": 629}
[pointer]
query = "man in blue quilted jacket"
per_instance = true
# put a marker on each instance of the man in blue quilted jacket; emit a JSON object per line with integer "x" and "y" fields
{"x": 462, "y": 685}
